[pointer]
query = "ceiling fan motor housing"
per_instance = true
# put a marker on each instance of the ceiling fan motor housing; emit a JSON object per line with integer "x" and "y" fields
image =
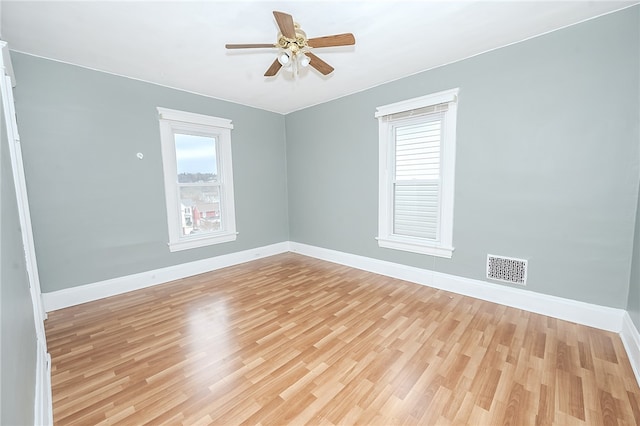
{"x": 294, "y": 45}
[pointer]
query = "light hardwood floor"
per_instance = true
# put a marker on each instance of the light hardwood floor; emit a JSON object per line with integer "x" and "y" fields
{"x": 294, "y": 340}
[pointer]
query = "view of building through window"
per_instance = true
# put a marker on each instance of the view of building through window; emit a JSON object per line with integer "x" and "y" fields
{"x": 198, "y": 184}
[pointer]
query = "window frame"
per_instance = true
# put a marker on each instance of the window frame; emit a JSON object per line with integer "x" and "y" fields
{"x": 442, "y": 246}
{"x": 181, "y": 122}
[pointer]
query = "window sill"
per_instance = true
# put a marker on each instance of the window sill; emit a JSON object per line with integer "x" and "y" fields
{"x": 416, "y": 247}
{"x": 202, "y": 242}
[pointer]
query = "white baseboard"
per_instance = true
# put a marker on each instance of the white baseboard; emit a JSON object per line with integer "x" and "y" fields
{"x": 631, "y": 339}
{"x": 90, "y": 292}
{"x": 597, "y": 316}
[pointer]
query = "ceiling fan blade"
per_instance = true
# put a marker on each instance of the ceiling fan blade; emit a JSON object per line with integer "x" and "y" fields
{"x": 249, "y": 46}
{"x": 319, "y": 64}
{"x": 285, "y": 23}
{"x": 346, "y": 39}
{"x": 273, "y": 69}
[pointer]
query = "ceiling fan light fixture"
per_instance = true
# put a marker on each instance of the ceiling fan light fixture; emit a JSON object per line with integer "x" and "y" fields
{"x": 304, "y": 60}
{"x": 284, "y": 58}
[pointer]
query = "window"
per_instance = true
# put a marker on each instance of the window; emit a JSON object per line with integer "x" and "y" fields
{"x": 198, "y": 179}
{"x": 417, "y": 162}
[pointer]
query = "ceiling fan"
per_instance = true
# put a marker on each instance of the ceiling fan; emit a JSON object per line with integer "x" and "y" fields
{"x": 295, "y": 48}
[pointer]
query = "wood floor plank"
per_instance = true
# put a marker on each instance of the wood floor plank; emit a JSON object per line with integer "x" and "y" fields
{"x": 295, "y": 340}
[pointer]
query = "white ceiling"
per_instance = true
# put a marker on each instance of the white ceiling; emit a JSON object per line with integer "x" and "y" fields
{"x": 181, "y": 43}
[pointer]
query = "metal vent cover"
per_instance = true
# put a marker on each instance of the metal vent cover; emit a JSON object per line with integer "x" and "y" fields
{"x": 507, "y": 269}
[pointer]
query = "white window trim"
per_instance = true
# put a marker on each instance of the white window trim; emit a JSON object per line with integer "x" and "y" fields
{"x": 386, "y": 238}
{"x": 172, "y": 121}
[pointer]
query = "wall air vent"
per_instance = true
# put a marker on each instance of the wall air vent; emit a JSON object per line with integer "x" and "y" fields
{"x": 507, "y": 269}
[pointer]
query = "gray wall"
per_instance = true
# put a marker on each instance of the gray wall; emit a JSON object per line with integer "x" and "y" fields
{"x": 547, "y": 161}
{"x": 633, "y": 304}
{"x": 98, "y": 212}
{"x": 18, "y": 333}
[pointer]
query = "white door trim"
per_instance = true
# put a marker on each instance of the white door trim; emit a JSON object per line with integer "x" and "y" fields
{"x": 43, "y": 413}
{"x": 24, "y": 213}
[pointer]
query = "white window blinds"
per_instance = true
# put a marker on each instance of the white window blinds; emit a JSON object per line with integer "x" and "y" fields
{"x": 416, "y": 176}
